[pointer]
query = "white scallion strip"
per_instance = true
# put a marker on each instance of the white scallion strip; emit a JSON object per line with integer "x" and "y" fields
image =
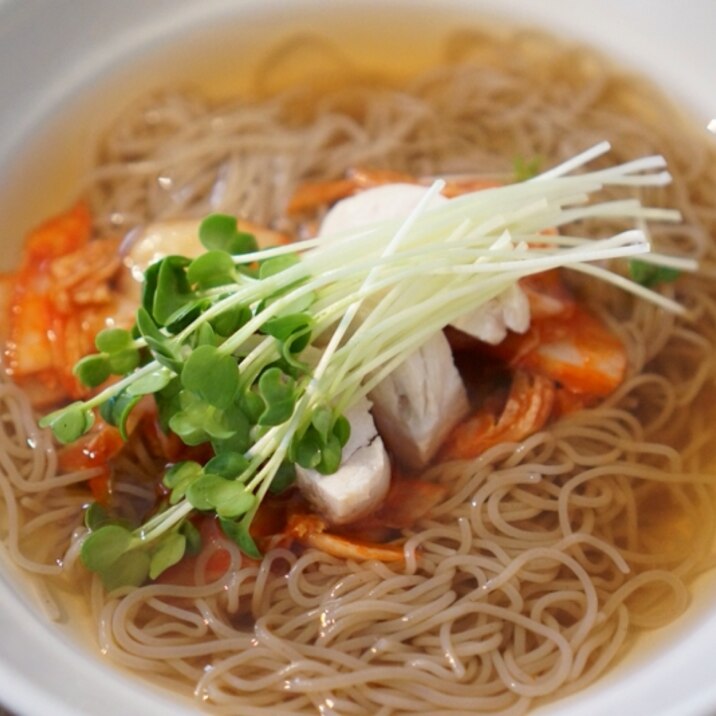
{"x": 576, "y": 162}
{"x": 384, "y": 290}
{"x": 421, "y": 274}
{"x": 629, "y": 285}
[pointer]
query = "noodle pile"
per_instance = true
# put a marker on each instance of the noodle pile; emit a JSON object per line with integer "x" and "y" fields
{"x": 547, "y": 557}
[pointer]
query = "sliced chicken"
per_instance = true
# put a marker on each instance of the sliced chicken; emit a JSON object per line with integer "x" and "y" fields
{"x": 491, "y": 321}
{"x": 424, "y": 398}
{"x": 420, "y": 402}
{"x": 361, "y": 482}
{"x": 382, "y": 203}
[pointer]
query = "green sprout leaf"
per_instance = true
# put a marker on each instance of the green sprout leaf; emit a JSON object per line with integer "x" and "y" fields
{"x": 219, "y": 232}
{"x": 123, "y": 362}
{"x": 189, "y": 426}
{"x": 168, "y": 402}
{"x": 239, "y": 439}
{"x": 342, "y": 430}
{"x": 69, "y": 423}
{"x": 316, "y": 450}
{"x": 179, "y": 477}
{"x": 227, "y": 497}
{"x": 239, "y": 533}
{"x": 184, "y": 315}
{"x": 307, "y": 449}
{"x": 206, "y": 336}
{"x": 149, "y": 286}
{"x": 330, "y": 456}
{"x": 93, "y": 370}
{"x": 229, "y": 465}
{"x": 294, "y": 329}
{"x": 193, "y": 537}
{"x": 212, "y": 269}
{"x": 117, "y": 356}
{"x": 271, "y": 267}
{"x": 283, "y": 479}
{"x": 101, "y": 549}
{"x": 322, "y": 421}
{"x": 197, "y": 421}
{"x": 130, "y": 570}
{"x": 277, "y": 390}
{"x": 251, "y": 405}
{"x": 117, "y": 409}
{"x": 96, "y": 516}
{"x": 114, "y": 340}
{"x": 148, "y": 329}
{"x": 651, "y": 275}
{"x": 173, "y": 292}
{"x": 151, "y": 382}
{"x": 230, "y": 320}
{"x": 212, "y": 375}
{"x": 170, "y": 551}
{"x": 122, "y": 559}
{"x": 159, "y": 344}
{"x": 524, "y": 169}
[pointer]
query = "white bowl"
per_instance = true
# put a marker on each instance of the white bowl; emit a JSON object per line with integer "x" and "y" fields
{"x": 67, "y": 68}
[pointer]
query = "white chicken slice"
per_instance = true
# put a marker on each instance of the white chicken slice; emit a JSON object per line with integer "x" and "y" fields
{"x": 163, "y": 238}
{"x": 491, "y": 321}
{"x": 382, "y": 203}
{"x": 420, "y": 402}
{"x": 424, "y": 398}
{"x": 363, "y": 478}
